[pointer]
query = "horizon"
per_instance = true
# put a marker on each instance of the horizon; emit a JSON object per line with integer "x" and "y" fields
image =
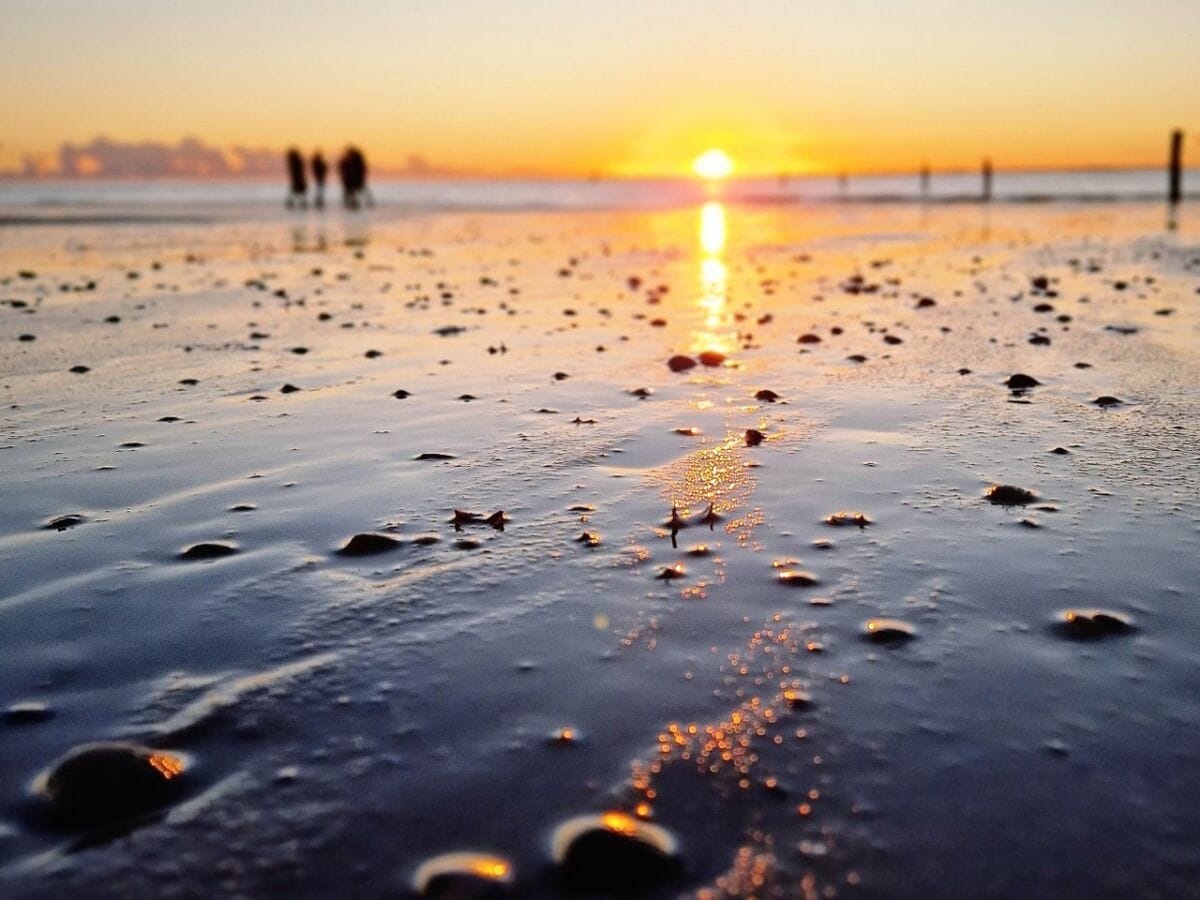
{"x": 546, "y": 91}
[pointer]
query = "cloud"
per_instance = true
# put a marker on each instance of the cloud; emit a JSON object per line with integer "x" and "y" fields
{"x": 191, "y": 157}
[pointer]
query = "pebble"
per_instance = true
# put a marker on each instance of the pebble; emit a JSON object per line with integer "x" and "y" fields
{"x": 766, "y": 396}
{"x": 754, "y": 437}
{"x": 464, "y": 876}
{"x": 28, "y": 712}
{"x": 1093, "y": 624}
{"x": 109, "y": 781}
{"x": 369, "y": 544}
{"x": 887, "y": 631}
{"x": 615, "y": 853}
{"x": 1021, "y": 382}
{"x": 62, "y": 523}
{"x": 1009, "y": 495}
{"x": 712, "y": 358}
{"x": 680, "y": 363}
{"x": 211, "y": 550}
{"x": 798, "y": 578}
{"x": 1106, "y": 401}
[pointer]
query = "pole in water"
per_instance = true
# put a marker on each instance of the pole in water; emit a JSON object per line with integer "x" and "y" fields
{"x": 925, "y": 181}
{"x": 1175, "y": 172}
{"x": 987, "y": 180}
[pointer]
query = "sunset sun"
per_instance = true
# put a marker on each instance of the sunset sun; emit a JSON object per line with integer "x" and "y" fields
{"x": 713, "y": 164}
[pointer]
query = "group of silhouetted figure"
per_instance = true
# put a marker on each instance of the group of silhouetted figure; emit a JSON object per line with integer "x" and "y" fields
{"x": 352, "y": 172}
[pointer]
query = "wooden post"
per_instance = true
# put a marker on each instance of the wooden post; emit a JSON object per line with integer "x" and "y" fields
{"x": 1175, "y": 171}
{"x": 925, "y": 181}
{"x": 987, "y": 180}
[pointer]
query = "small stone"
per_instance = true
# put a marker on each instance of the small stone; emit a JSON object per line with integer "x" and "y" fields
{"x": 711, "y": 358}
{"x": 108, "y": 782}
{"x": 615, "y": 853}
{"x": 888, "y": 631}
{"x": 1093, "y": 624}
{"x": 1020, "y": 382}
{"x": 766, "y": 396}
{"x": 1009, "y": 495}
{"x": 211, "y": 550}
{"x": 369, "y": 544}
{"x": 288, "y": 389}
{"x": 464, "y": 876}
{"x": 29, "y": 712}
{"x": 80, "y": 370}
{"x": 797, "y": 578}
{"x": 1107, "y": 401}
{"x": 809, "y": 338}
{"x": 680, "y": 363}
{"x": 62, "y": 523}
{"x": 754, "y": 437}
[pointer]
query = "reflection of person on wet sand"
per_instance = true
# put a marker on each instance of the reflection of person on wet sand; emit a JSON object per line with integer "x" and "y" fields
{"x": 298, "y": 194}
{"x": 319, "y": 170}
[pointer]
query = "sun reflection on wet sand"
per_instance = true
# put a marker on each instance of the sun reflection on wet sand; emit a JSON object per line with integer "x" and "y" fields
{"x": 714, "y": 282}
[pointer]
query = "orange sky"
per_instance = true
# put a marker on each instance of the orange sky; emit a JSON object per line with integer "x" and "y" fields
{"x": 619, "y": 88}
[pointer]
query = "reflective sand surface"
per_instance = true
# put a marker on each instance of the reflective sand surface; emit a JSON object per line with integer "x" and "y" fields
{"x": 822, "y": 663}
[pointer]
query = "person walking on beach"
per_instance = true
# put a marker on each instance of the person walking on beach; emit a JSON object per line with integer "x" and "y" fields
{"x": 319, "y": 170}
{"x": 352, "y": 169}
{"x": 298, "y": 195}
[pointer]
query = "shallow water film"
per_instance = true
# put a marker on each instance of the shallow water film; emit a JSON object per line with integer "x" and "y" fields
{"x": 723, "y": 552}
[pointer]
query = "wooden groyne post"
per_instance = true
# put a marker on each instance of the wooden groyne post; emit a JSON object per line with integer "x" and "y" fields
{"x": 925, "y": 181}
{"x": 987, "y": 180}
{"x": 1175, "y": 168}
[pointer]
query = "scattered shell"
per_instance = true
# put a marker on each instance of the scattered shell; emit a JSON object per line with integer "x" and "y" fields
{"x": 843, "y": 517}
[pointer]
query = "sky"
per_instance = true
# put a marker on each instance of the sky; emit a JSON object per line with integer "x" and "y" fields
{"x": 612, "y": 87}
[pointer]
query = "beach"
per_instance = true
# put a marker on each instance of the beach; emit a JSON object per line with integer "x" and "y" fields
{"x": 759, "y": 597}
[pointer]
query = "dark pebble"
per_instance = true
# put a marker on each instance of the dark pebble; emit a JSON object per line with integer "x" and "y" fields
{"x": 1092, "y": 624}
{"x": 62, "y": 523}
{"x": 27, "y": 337}
{"x": 1009, "y": 495}
{"x": 712, "y": 358}
{"x": 615, "y": 853}
{"x": 288, "y": 389}
{"x": 766, "y": 396}
{"x": 107, "y": 782}
{"x": 368, "y": 544}
{"x": 29, "y": 712}
{"x": 401, "y": 394}
{"x": 208, "y": 551}
{"x": 680, "y": 363}
{"x": 464, "y": 876}
{"x": 888, "y": 631}
{"x": 80, "y": 370}
{"x": 1107, "y": 401}
{"x": 1020, "y": 382}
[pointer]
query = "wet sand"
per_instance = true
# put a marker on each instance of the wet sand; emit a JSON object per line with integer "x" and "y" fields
{"x": 392, "y": 537}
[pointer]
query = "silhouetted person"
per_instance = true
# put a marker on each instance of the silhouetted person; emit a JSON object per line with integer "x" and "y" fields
{"x": 352, "y": 169}
{"x": 319, "y": 170}
{"x": 298, "y": 195}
